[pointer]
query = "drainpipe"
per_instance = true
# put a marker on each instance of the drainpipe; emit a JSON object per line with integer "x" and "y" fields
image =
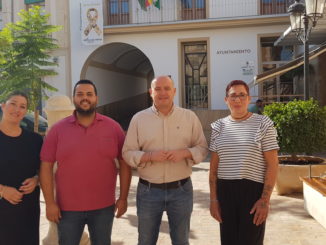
{"x": 12, "y": 11}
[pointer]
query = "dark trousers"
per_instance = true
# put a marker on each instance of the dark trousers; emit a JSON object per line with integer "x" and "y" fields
{"x": 236, "y": 198}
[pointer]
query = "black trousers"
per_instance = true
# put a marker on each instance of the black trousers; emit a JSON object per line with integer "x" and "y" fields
{"x": 236, "y": 198}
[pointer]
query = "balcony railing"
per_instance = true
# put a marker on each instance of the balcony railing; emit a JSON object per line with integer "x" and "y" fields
{"x": 274, "y": 6}
{"x": 122, "y": 12}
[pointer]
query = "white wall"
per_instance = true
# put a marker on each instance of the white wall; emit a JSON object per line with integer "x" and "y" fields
{"x": 59, "y": 81}
{"x": 229, "y": 8}
{"x": 230, "y": 49}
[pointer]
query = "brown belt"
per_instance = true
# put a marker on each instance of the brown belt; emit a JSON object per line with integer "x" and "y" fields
{"x": 165, "y": 186}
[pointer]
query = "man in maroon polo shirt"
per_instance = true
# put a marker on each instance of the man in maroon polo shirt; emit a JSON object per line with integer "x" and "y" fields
{"x": 85, "y": 146}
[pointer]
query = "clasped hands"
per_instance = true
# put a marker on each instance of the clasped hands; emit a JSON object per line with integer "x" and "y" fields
{"x": 15, "y": 196}
{"x": 172, "y": 155}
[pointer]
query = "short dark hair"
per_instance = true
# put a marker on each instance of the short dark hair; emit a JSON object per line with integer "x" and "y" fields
{"x": 84, "y": 81}
{"x": 17, "y": 93}
{"x": 258, "y": 101}
{"x": 234, "y": 83}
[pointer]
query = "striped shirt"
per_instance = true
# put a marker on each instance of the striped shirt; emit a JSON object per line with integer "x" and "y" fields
{"x": 240, "y": 146}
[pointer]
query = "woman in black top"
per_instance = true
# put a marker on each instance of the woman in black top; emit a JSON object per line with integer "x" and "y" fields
{"x": 19, "y": 164}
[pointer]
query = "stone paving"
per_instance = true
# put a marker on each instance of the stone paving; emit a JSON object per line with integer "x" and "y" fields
{"x": 288, "y": 222}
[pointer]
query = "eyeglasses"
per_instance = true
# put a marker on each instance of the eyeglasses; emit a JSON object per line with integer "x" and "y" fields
{"x": 233, "y": 97}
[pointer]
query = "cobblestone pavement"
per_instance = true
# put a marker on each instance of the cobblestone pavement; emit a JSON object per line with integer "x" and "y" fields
{"x": 288, "y": 222}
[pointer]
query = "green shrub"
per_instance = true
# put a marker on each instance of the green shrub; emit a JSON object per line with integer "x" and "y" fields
{"x": 301, "y": 126}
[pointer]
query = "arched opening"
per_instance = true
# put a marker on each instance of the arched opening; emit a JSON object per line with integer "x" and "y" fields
{"x": 122, "y": 74}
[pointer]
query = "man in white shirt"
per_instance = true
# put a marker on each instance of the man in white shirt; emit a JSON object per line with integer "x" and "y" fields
{"x": 163, "y": 142}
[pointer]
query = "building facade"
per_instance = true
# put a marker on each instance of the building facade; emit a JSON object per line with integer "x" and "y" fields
{"x": 201, "y": 44}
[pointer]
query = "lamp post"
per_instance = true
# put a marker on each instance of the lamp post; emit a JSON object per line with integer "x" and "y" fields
{"x": 303, "y": 18}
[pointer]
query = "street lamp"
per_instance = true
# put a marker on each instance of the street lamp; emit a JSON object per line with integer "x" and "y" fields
{"x": 303, "y": 18}
{"x": 315, "y": 9}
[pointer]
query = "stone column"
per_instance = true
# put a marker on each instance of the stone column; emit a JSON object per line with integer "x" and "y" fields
{"x": 57, "y": 108}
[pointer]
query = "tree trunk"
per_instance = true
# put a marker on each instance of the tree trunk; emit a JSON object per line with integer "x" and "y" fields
{"x": 36, "y": 122}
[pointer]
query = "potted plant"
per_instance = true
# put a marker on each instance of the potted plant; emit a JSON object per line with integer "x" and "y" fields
{"x": 301, "y": 128}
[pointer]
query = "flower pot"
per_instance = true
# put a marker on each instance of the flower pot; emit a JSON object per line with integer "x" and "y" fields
{"x": 288, "y": 178}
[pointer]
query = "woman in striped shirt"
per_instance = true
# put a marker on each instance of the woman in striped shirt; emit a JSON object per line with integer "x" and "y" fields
{"x": 243, "y": 169}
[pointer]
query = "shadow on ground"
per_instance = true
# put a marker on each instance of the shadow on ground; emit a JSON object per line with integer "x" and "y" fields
{"x": 164, "y": 228}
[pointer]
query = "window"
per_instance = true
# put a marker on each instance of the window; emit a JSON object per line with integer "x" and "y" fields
{"x": 195, "y": 75}
{"x": 281, "y": 88}
{"x": 193, "y": 9}
{"x": 274, "y": 6}
{"x": 118, "y": 12}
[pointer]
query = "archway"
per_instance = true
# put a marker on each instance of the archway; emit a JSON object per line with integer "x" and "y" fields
{"x": 122, "y": 74}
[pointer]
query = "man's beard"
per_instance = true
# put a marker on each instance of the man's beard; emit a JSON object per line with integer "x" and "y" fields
{"x": 84, "y": 112}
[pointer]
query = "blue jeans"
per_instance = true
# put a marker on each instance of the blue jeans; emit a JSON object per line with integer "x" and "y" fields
{"x": 99, "y": 222}
{"x": 152, "y": 202}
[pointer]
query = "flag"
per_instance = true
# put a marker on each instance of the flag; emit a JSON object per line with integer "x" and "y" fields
{"x": 142, "y": 4}
{"x": 157, "y": 4}
{"x": 146, "y": 3}
{"x": 149, "y": 3}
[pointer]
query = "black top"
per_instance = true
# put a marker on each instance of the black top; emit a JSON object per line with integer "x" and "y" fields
{"x": 19, "y": 157}
{"x": 19, "y": 160}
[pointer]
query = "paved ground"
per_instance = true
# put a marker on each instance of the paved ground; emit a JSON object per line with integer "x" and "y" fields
{"x": 288, "y": 223}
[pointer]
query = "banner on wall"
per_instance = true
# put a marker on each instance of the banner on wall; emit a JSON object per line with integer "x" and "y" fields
{"x": 91, "y": 22}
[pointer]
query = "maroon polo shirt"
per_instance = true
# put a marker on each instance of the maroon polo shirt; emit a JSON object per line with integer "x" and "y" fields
{"x": 86, "y": 175}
